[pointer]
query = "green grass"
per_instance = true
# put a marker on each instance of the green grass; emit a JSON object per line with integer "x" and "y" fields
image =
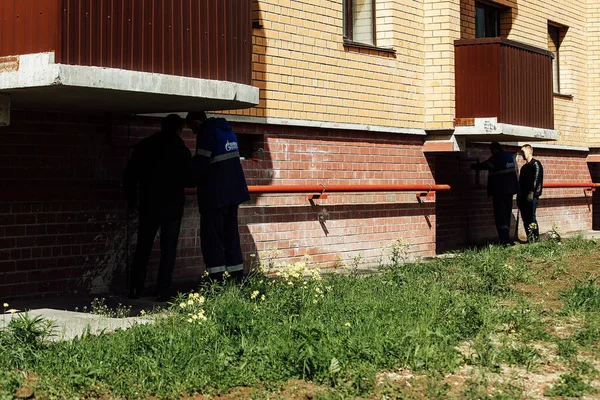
{"x": 585, "y": 296}
{"x": 336, "y": 330}
{"x": 570, "y": 386}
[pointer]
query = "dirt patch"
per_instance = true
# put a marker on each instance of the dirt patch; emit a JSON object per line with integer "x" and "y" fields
{"x": 551, "y": 278}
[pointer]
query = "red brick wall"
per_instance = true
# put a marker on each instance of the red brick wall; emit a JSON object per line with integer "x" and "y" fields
{"x": 570, "y": 209}
{"x": 61, "y": 218}
{"x": 343, "y": 226}
{"x": 64, "y": 226}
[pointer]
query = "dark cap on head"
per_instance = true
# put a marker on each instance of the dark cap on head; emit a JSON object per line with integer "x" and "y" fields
{"x": 172, "y": 123}
{"x": 195, "y": 116}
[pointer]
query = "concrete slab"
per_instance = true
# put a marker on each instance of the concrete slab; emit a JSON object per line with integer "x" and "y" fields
{"x": 69, "y": 324}
{"x": 36, "y": 81}
{"x": 489, "y": 129}
{"x": 585, "y": 234}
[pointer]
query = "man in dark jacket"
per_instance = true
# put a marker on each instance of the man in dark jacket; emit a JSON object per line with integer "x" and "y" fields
{"x": 502, "y": 186}
{"x": 221, "y": 189}
{"x": 531, "y": 180}
{"x": 159, "y": 170}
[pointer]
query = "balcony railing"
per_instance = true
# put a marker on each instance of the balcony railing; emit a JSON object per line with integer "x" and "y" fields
{"x": 209, "y": 39}
{"x": 503, "y": 79}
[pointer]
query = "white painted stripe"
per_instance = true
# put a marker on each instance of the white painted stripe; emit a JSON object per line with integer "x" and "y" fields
{"x": 216, "y": 270}
{"x": 204, "y": 153}
{"x": 235, "y": 268}
{"x": 223, "y": 157}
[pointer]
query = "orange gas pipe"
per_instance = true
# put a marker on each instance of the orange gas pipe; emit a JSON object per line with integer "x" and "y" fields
{"x": 571, "y": 185}
{"x": 262, "y": 189}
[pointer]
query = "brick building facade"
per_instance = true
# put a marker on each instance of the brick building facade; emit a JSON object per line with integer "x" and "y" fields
{"x": 332, "y": 109}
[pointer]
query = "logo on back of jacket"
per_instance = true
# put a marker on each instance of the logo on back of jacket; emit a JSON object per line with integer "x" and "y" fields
{"x": 231, "y": 146}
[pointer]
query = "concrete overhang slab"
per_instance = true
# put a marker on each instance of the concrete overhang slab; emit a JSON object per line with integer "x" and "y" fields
{"x": 34, "y": 81}
{"x": 489, "y": 130}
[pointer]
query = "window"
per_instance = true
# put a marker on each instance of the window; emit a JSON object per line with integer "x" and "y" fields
{"x": 487, "y": 20}
{"x": 556, "y": 34}
{"x": 359, "y": 21}
{"x": 250, "y": 146}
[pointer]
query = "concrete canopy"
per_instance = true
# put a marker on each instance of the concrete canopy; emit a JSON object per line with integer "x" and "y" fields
{"x": 490, "y": 130}
{"x": 34, "y": 81}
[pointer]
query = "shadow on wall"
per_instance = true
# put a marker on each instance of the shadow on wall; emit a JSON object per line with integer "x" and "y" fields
{"x": 62, "y": 212}
{"x": 594, "y": 169}
{"x": 465, "y": 215}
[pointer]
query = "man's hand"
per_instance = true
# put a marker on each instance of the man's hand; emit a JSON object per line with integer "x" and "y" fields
{"x": 530, "y": 197}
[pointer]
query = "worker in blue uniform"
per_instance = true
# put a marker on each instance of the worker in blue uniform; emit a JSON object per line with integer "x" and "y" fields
{"x": 158, "y": 172}
{"x": 502, "y": 185}
{"x": 221, "y": 189}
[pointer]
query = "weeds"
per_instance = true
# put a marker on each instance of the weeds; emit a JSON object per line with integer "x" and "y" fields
{"x": 585, "y": 296}
{"x": 9, "y": 383}
{"x": 99, "y": 307}
{"x": 520, "y": 354}
{"x": 570, "y": 386}
{"x": 584, "y": 367}
{"x": 567, "y": 348}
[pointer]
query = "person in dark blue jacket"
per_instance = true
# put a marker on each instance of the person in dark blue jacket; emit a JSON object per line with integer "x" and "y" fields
{"x": 158, "y": 170}
{"x": 221, "y": 189}
{"x": 531, "y": 180}
{"x": 502, "y": 186}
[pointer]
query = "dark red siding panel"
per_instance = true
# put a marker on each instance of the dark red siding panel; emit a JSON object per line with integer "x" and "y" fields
{"x": 504, "y": 79}
{"x": 477, "y": 81}
{"x": 526, "y": 89}
{"x": 209, "y": 39}
{"x": 29, "y": 26}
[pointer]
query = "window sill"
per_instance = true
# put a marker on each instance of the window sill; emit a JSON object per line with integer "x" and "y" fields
{"x": 349, "y": 43}
{"x": 563, "y": 96}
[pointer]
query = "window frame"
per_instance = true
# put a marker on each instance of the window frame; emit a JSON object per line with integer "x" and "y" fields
{"x": 348, "y": 23}
{"x": 552, "y": 31}
{"x": 487, "y": 6}
{"x": 560, "y": 32}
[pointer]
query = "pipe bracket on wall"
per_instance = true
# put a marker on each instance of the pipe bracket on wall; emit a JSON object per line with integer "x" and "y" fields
{"x": 426, "y": 196}
{"x": 321, "y": 196}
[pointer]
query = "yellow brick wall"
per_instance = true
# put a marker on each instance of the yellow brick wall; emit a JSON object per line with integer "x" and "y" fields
{"x": 304, "y": 71}
{"x": 593, "y": 67}
{"x": 530, "y": 25}
{"x": 442, "y": 27}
